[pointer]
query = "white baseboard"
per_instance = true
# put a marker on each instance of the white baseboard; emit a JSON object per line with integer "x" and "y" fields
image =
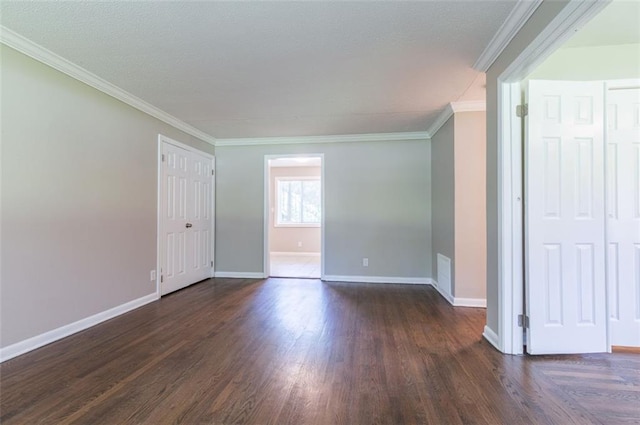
{"x": 470, "y": 302}
{"x": 240, "y": 275}
{"x": 446, "y": 296}
{"x": 379, "y": 279}
{"x": 461, "y": 302}
{"x": 296, "y": 254}
{"x": 491, "y": 336}
{"x": 38, "y": 341}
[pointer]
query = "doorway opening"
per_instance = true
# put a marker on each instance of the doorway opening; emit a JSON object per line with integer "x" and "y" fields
{"x": 294, "y": 216}
{"x": 569, "y": 177}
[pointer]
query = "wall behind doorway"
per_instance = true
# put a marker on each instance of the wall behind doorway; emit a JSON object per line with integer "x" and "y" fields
{"x": 285, "y": 239}
{"x": 591, "y": 63}
{"x": 377, "y": 205}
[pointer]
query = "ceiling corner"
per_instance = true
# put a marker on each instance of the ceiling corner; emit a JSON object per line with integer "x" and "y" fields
{"x": 446, "y": 113}
{"x": 469, "y": 106}
{"x": 520, "y": 14}
{"x": 35, "y": 51}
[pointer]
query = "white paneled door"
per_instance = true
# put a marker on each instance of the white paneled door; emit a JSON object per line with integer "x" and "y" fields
{"x": 623, "y": 215}
{"x": 186, "y": 209}
{"x": 565, "y": 218}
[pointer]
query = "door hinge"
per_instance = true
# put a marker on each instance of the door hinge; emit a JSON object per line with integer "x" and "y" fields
{"x": 523, "y": 321}
{"x": 161, "y": 278}
{"x": 162, "y": 157}
{"x": 522, "y": 110}
{"x": 211, "y": 263}
{"x": 213, "y": 172}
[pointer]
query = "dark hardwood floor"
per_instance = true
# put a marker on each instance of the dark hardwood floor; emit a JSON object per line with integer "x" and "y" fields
{"x": 283, "y": 351}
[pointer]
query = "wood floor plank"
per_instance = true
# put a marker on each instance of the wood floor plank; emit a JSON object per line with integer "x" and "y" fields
{"x": 286, "y": 351}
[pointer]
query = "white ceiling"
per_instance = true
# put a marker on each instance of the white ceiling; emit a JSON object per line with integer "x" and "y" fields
{"x": 265, "y": 69}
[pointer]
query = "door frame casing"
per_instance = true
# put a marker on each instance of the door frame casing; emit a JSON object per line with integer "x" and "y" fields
{"x": 160, "y": 218}
{"x": 510, "y": 165}
{"x": 266, "y": 210}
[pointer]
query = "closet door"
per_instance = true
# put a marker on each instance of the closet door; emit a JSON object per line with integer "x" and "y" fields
{"x": 565, "y": 218}
{"x": 623, "y": 215}
{"x": 186, "y": 209}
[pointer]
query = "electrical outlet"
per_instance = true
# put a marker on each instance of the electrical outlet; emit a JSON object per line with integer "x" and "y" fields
{"x": 152, "y": 276}
{"x": 365, "y": 262}
{"x": 299, "y": 244}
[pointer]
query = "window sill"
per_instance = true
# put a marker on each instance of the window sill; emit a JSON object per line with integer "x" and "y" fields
{"x": 300, "y": 225}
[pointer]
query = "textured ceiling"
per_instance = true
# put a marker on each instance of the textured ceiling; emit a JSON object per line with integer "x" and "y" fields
{"x": 264, "y": 69}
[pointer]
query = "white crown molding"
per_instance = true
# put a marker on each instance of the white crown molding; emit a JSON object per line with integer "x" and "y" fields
{"x": 454, "y": 108}
{"x": 519, "y": 15}
{"x": 43, "y": 339}
{"x": 469, "y": 106}
{"x": 444, "y": 116}
{"x": 340, "y": 138}
{"x": 571, "y": 18}
{"x": 39, "y": 53}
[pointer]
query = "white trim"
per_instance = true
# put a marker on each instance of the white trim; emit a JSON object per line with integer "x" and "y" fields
{"x": 453, "y": 108}
{"x": 444, "y": 116}
{"x": 470, "y": 302}
{"x": 444, "y": 294}
{"x": 624, "y": 84}
{"x": 510, "y": 244}
{"x": 380, "y": 279}
{"x": 518, "y": 16}
{"x": 339, "y": 138}
{"x": 510, "y": 226}
{"x": 241, "y": 275}
{"x": 570, "y": 19}
{"x": 47, "y": 57}
{"x": 296, "y": 254}
{"x": 296, "y": 225}
{"x": 160, "y": 217}
{"x": 469, "y": 106}
{"x": 460, "y": 302}
{"x": 162, "y": 138}
{"x": 491, "y": 336}
{"x": 43, "y": 339}
{"x": 266, "y": 209}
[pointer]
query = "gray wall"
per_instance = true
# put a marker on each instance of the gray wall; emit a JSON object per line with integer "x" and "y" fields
{"x": 443, "y": 195}
{"x": 536, "y": 23}
{"x": 79, "y": 183}
{"x": 377, "y": 205}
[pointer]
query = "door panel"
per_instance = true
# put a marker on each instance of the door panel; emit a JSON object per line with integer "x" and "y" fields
{"x": 201, "y": 216}
{"x": 175, "y": 176}
{"x": 623, "y": 215}
{"x": 187, "y": 191}
{"x": 565, "y": 218}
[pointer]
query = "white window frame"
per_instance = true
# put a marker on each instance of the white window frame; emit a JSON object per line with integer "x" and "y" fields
{"x": 277, "y": 201}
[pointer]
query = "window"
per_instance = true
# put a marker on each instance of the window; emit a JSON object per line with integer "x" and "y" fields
{"x": 298, "y": 202}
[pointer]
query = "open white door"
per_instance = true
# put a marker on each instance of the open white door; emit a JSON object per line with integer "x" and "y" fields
{"x": 186, "y": 215}
{"x": 623, "y": 213}
{"x": 565, "y": 218}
